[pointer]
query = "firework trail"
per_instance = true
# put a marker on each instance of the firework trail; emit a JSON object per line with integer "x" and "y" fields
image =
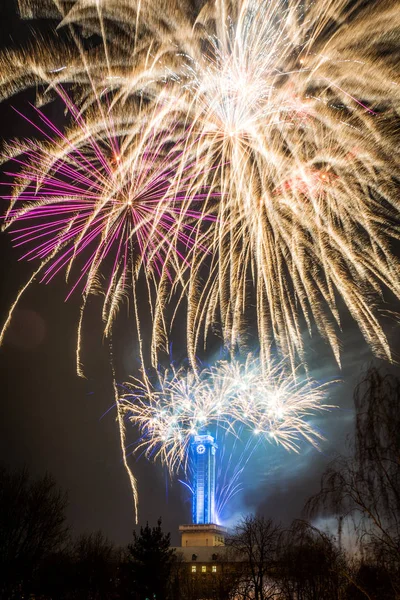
{"x": 274, "y": 404}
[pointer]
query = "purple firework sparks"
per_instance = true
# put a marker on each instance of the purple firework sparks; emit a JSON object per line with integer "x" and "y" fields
{"x": 98, "y": 196}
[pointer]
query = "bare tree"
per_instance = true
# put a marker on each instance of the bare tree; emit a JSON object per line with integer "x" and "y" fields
{"x": 365, "y": 487}
{"x": 32, "y": 526}
{"x": 95, "y": 566}
{"x": 311, "y": 566}
{"x": 255, "y": 542}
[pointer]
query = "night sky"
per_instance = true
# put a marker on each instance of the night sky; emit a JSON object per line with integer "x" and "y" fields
{"x": 54, "y": 421}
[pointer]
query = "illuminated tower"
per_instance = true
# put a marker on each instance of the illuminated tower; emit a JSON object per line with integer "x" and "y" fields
{"x": 203, "y": 531}
{"x": 204, "y": 449}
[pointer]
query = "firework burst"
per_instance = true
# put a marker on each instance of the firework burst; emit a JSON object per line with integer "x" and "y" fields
{"x": 248, "y": 153}
{"x": 109, "y": 200}
{"x": 274, "y": 404}
{"x": 288, "y": 110}
{"x": 306, "y": 166}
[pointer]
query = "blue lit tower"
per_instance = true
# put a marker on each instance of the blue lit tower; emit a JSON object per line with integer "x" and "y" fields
{"x": 204, "y": 449}
{"x": 203, "y": 531}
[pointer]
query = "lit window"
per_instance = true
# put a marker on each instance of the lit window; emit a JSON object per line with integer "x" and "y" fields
{"x": 193, "y": 568}
{"x": 203, "y": 569}
{"x": 214, "y": 568}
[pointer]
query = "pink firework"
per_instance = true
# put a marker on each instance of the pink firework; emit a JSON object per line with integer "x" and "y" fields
{"x": 111, "y": 198}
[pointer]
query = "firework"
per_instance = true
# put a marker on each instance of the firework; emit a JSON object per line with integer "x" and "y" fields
{"x": 306, "y": 166}
{"x": 107, "y": 200}
{"x": 274, "y": 404}
{"x": 288, "y": 110}
{"x": 246, "y": 154}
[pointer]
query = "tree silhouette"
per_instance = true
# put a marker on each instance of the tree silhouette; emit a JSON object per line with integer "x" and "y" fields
{"x": 310, "y": 565}
{"x": 150, "y": 563}
{"x": 32, "y": 526}
{"x": 255, "y": 543}
{"x": 94, "y": 559}
{"x": 364, "y": 488}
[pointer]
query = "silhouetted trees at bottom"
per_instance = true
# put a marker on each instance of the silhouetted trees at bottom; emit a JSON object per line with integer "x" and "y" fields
{"x": 149, "y": 564}
{"x": 311, "y": 566}
{"x": 32, "y": 528}
{"x": 88, "y": 567}
{"x": 261, "y": 561}
{"x": 363, "y": 489}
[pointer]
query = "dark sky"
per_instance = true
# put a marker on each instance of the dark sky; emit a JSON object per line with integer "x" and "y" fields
{"x": 53, "y": 421}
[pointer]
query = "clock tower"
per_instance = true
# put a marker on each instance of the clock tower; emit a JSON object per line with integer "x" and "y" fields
{"x": 204, "y": 531}
{"x": 203, "y": 449}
